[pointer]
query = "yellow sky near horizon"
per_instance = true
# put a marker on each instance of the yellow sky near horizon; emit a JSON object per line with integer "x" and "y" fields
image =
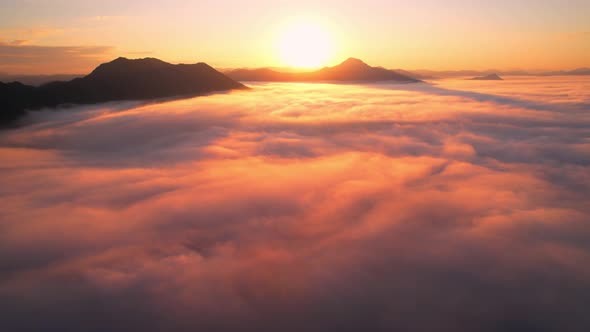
{"x": 63, "y": 36}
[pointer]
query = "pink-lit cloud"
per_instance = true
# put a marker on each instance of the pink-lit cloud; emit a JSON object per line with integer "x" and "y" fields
{"x": 293, "y": 207}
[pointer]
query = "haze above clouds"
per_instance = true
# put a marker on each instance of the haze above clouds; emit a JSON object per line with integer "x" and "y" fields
{"x": 462, "y": 206}
{"x": 73, "y": 36}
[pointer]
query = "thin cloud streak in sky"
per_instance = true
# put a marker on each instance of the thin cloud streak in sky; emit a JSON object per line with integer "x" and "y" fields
{"x": 302, "y": 207}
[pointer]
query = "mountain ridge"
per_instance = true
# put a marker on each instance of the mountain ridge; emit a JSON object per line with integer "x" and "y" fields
{"x": 490, "y": 77}
{"x": 120, "y": 79}
{"x": 350, "y": 70}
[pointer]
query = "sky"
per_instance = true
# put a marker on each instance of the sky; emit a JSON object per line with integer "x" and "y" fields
{"x": 66, "y": 36}
{"x": 461, "y": 206}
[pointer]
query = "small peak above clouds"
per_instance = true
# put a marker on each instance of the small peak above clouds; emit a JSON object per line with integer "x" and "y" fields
{"x": 353, "y": 62}
{"x": 490, "y": 77}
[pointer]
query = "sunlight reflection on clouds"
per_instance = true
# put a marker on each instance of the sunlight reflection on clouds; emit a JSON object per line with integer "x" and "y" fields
{"x": 455, "y": 207}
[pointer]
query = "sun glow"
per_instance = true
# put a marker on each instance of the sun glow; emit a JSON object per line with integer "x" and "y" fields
{"x": 305, "y": 45}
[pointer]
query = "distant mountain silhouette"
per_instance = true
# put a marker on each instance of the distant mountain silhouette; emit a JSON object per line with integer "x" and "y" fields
{"x": 579, "y": 71}
{"x": 490, "y": 77}
{"x": 575, "y": 72}
{"x": 121, "y": 79}
{"x": 433, "y": 74}
{"x": 36, "y": 80}
{"x": 411, "y": 74}
{"x": 351, "y": 70}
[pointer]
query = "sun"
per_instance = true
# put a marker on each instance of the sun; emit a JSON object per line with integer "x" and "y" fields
{"x": 305, "y": 45}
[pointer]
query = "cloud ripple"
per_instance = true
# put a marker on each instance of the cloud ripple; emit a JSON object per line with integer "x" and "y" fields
{"x": 303, "y": 207}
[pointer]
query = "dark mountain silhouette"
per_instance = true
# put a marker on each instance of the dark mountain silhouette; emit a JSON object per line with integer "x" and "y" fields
{"x": 121, "y": 79}
{"x": 351, "y": 70}
{"x": 13, "y": 100}
{"x": 490, "y": 77}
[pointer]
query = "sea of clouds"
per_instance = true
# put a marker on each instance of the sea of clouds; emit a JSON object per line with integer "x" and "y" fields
{"x": 456, "y": 206}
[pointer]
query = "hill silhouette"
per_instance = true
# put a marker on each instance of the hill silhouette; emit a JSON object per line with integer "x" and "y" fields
{"x": 13, "y": 100}
{"x": 351, "y": 70}
{"x": 490, "y": 77}
{"x": 121, "y": 79}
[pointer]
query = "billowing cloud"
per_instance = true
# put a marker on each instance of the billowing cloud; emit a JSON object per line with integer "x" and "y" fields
{"x": 303, "y": 207}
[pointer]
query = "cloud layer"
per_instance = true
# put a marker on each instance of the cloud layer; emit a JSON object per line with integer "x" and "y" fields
{"x": 292, "y": 207}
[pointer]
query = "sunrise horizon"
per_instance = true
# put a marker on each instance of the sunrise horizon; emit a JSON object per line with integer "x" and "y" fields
{"x": 66, "y": 37}
{"x": 291, "y": 68}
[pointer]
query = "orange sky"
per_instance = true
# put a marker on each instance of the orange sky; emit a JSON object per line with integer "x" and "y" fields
{"x": 65, "y": 36}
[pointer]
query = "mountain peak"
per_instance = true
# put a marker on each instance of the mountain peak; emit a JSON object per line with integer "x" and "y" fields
{"x": 490, "y": 77}
{"x": 351, "y": 70}
{"x": 120, "y": 59}
{"x": 144, "y": 61}
{"x": 353, "y": 62}
{"x": 124, "y": 65}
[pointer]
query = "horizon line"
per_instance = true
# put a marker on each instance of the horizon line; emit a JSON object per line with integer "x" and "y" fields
{"x": 304, "y": 69}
